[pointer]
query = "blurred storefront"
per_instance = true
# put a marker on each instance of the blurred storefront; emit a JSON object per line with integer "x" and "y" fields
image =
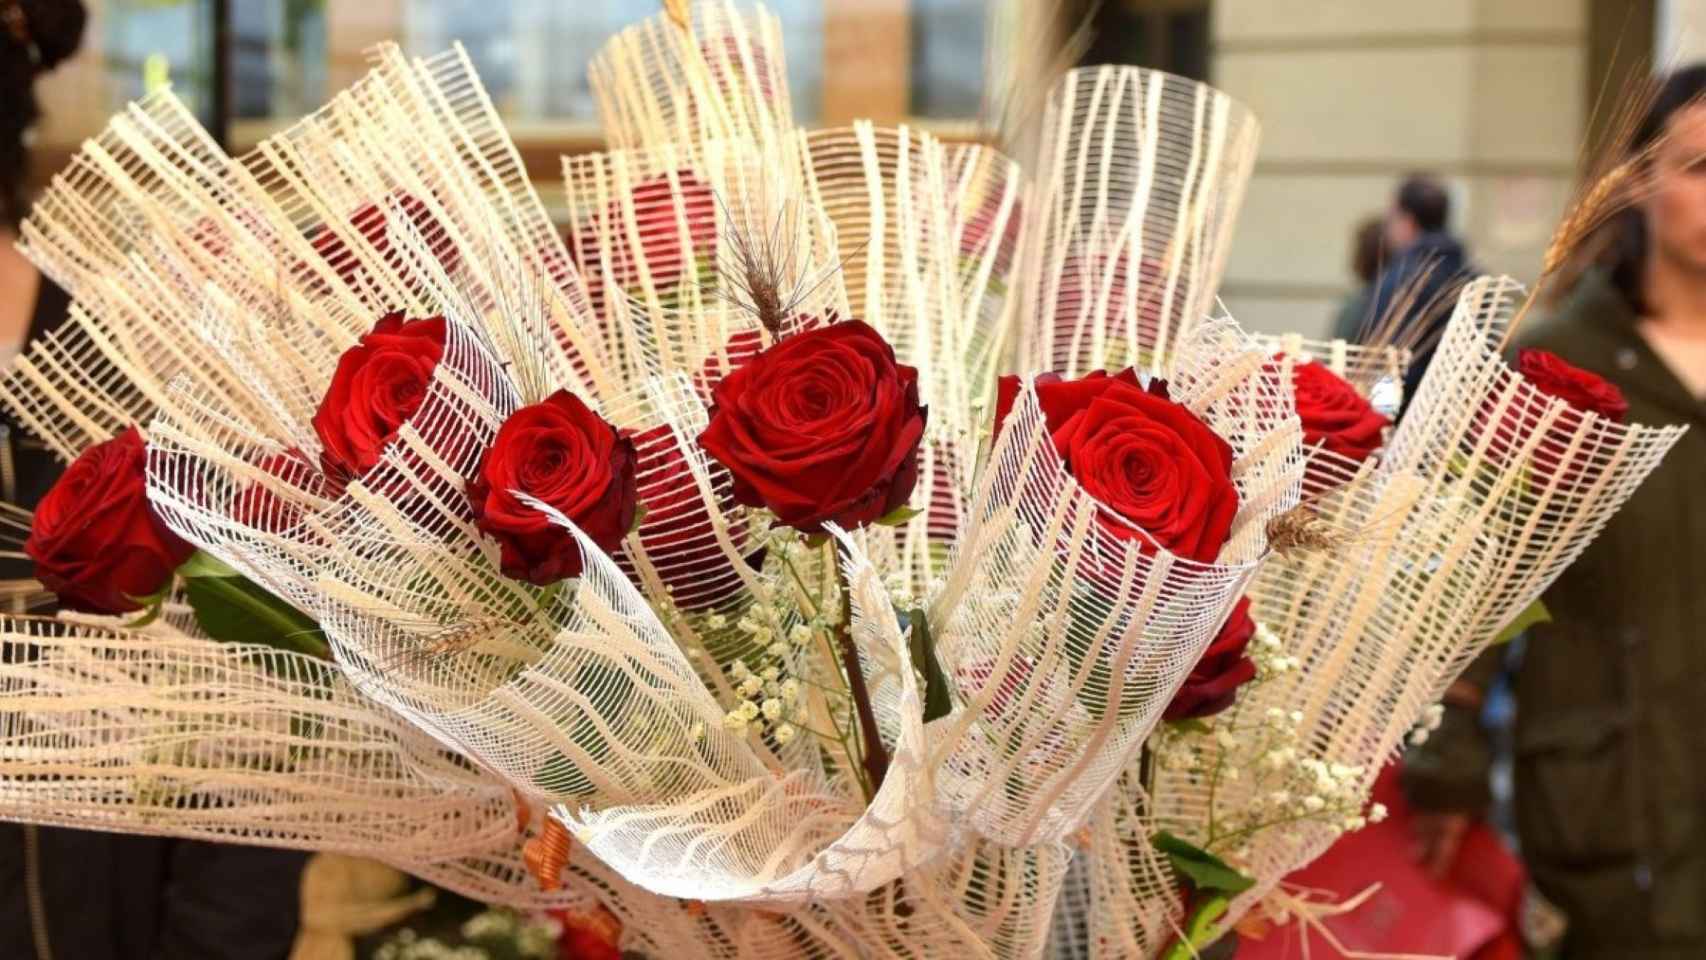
{"x": 1495, "y": 96}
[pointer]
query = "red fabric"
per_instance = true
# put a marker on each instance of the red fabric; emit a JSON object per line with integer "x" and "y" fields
{"x": 1472, "y": 913}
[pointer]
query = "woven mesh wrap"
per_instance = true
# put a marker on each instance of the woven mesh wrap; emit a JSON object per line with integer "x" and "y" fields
{"x": 214, "y": 296}
{"x": 1139, "y": 178}
{"x": 159, "y": 732}
{"x": 657, "y": 82}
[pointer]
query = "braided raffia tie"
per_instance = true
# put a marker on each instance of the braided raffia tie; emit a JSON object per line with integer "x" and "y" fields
{"x": 547, "y": 854}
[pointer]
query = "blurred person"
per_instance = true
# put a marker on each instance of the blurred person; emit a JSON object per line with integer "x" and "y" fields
{"x": 1367, "y": 250}
{"x": 71, "y": 894}
{"x": 1425, "y": 268}
{"x": 1610, "y": 766}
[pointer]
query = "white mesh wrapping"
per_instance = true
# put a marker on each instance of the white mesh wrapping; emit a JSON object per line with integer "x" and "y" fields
{"x": 1139, "y": 177}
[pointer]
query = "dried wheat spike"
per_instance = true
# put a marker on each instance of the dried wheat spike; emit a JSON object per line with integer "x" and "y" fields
{"x": 1302, "y": 529}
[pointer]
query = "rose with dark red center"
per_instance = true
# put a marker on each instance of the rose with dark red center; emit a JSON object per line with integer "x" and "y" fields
{"x": 1213, "y": 683}
{"x": 1335, "y": 417}
{"x": 260, "y": 505}
{"x": 96, "y": 540}
{"x": 378, "y": 385}
{"x": 1146, "y": 460}
{"x": 562, "y": 453}
{"x": 1585, "y": 391}
{"x": 821, "y": 427}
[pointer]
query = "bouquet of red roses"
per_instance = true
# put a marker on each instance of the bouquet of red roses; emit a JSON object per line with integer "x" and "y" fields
{"x": 700, "y": 572}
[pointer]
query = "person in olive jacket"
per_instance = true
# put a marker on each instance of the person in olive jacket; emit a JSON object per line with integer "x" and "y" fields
{"x": 1610, "y": 759}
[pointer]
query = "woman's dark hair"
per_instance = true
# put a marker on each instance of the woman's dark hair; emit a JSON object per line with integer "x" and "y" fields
{"x": 1625, "y": 256}
{"x": 35, "y": 35}
{"x": 1368, "y": 249}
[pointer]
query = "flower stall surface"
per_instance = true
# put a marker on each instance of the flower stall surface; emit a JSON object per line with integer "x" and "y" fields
{"x": 843, "y": 544}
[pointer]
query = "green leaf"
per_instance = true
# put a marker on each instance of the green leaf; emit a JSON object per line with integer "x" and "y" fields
{"x": 640, "y": 512}
{"x": 938, "y": 699}
{"x": 204, "y": 564}
{"x": 898, "y": 517}
{"x": 234, "y": 610}
{"x": 1190, "y": 725}
{"x": 1199, "y": 929}
{"x": 1203, "y": 871}
{"x": 1534, "y": 613}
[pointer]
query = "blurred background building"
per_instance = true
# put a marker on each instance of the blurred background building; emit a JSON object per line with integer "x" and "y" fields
{"x": 1494, "y": 96}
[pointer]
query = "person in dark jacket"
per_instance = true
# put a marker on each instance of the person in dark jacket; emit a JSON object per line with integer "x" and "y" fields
{"x": 1428, "y": 266}
{"x": 1610, "y": 764}
{"x": 73, "y": 894}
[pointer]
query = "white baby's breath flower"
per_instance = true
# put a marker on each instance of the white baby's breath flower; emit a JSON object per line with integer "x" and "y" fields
{"x": 750, "y": 686}
{"x": 1313, "y": 803}
{"x": 777, "y": 650}
{"x": 734, "y": 721}
{"x": 770, "y": 673}
{"x": 790, "y": 690}
{"x": 748, "y": 710}
{"x": 772, "y": 709}
{"x": 784, "y": 733}
{"x": 739, "y": 670}
{"x": 800, "y": 634}
{"x": 1377, "y": 813}
{"x": 696, "y": 732}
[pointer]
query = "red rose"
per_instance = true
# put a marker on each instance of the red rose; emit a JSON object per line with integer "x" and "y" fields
{"x": 1587, "y": 392}
{"x": 821, "y": 427}
{"x": 1144, "y": 458}
{"x": 1213, "y": 683}
{"x": 659, "y": 209}
{"x": 1335, "y": 417}
{"x": 369, "y": 221}
{"x": 729, "y": 71}
{"x": 562, "y": 453}
{"x": 379, "y": 384}
{"x": 260, "y": 506}
{"x": 95, "y": 540}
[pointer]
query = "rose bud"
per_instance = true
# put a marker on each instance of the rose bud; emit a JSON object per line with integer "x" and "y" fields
{"x": 1213, "y": 683}
{"x": 560, "y": 452}
{"x": 1336, "y": 418}
{"x": 261, "y": 506}
{"x": 1145, "y": 459}
{"x": 96, "y": 540}
{"x": 821, "y": 427}
{"x": 379, "y": 384}
{"x": 605, "y": 244}
{"x": 1550, "y": 375}
{"x": 369, "y": 220}
{"x": 1587, "y": 392}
